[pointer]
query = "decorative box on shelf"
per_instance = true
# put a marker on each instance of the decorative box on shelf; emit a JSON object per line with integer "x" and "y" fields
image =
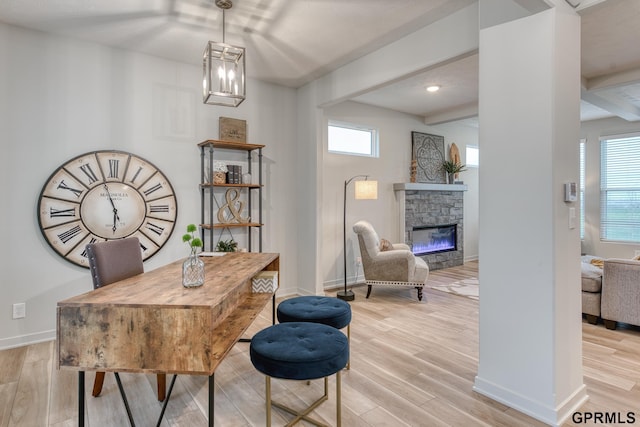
{"x": 265, "y": 282}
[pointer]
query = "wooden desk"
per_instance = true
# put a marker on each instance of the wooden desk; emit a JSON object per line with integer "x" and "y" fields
{"x": 149, "y": 323}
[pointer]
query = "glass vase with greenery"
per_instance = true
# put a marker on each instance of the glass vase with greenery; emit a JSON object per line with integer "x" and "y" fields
{"x": 193, "y": 266}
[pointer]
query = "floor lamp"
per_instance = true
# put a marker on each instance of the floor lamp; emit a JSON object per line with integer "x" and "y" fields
{"x": 365, "y": 190}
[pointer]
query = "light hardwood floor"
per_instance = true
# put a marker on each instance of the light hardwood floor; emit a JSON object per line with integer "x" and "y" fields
{"x": 413, "y": 364}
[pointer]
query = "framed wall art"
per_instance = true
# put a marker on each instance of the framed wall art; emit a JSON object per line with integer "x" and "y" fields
{"x": 428, "y": 153}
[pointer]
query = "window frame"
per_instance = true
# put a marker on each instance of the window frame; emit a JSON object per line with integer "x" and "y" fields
{"x": 466, "y": 156}
{"x": 374, "y": 140}
{"x": 620, "y": 178}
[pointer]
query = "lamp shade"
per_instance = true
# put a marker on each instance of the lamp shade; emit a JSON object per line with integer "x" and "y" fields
{"x": 223, "y": 69}
{"x": 366, "y": 190}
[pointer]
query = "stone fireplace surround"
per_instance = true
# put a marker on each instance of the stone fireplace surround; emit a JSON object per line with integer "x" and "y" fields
{"x": 422, "y": 204}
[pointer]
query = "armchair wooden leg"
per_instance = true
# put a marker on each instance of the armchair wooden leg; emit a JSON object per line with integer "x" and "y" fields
{"x": 97, "y": 384}
{"x": 369, "y": 291}
{"x": 162, "y": 386}
{"x": 419, "y": 288}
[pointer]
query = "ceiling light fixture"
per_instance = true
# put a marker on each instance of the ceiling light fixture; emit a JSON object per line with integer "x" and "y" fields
{"x": 223, "y": 80}
{"x": 433, "y": 88}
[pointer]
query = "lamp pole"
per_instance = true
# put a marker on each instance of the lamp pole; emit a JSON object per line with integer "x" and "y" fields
{"x": 346, "y": 294}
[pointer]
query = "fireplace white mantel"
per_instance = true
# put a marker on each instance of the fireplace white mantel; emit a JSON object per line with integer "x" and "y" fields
{"x": 449, "y": 195}
{"x": 420, "y": 186}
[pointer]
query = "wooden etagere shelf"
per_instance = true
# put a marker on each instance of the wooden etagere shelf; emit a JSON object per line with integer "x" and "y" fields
{"x": 232, "y": 224}
{"x": 231, "y": 185}
{"x": 208, "y": 189}
{"x": 230, "y": 145}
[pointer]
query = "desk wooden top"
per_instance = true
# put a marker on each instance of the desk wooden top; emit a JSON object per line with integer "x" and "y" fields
{"x": 151, "y": 323}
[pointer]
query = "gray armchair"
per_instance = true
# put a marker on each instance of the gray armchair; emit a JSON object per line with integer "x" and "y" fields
{"x": 620, "y": 292}
{"x": 395, "y": 267}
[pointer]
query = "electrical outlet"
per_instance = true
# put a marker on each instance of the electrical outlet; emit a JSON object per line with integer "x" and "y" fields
{"x": 359, "y": 261}
{"x": 19, "y": 310}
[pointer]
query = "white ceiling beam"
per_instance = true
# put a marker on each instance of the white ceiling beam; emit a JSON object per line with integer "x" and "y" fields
{"x": 459, "y": 113}
{"x": 447, "y": 38}
{"x": 617, "y": 106}
{"x": 613, "y": 80}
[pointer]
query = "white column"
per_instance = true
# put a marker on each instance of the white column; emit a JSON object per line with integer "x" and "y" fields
{"x": 530, "y": 307}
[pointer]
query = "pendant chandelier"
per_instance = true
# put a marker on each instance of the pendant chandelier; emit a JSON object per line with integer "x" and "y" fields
{"x": 223, "y": 80}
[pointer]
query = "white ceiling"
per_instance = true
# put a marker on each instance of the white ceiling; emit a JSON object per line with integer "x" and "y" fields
{"x": 293, "y": 42}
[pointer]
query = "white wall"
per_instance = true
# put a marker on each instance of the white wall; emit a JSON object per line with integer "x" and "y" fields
{"x": 60, "y": 97}
{"x": 592, "y": 131}
{"x": 391, "y": 167}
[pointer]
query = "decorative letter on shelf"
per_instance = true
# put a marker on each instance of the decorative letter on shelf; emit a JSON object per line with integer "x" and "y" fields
{"x": 235, "y": 208}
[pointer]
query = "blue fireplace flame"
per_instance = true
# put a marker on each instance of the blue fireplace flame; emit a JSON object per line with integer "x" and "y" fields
{"x": 428, "y": 240}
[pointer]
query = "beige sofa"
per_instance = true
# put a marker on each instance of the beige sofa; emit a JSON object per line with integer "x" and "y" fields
{"x": 620, "y": 292}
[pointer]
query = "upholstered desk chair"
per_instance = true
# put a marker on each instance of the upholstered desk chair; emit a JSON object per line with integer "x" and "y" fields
{"x": 110, "y": 262}
{"x": 396, "y": 266}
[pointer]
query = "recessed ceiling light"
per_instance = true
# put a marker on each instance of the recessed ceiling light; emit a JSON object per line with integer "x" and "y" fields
{"x": 433, "y": 88}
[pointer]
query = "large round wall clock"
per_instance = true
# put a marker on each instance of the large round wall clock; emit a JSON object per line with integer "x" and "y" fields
{"x": 106, "y": 195}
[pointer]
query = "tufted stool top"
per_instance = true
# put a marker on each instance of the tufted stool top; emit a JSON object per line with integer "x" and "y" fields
{"x": 299, "y": 351}
{"x": 316, "y": 309}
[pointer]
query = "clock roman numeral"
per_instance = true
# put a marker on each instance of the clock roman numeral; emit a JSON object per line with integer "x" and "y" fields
{"x": 84, "y": 252}
{"x": 64, "y": 186}
{"x": 86, "y": 168}
{"x": 56, "y": 213}
{"x": 135, "y": 175}
{"x": 69, "y": 234}
{"x": 113, "y": 168}
{"x": 159, "y": 208}
{"x": 152, "y": 189}
{"x": 155, "y": 228}
{"x": 143, "y": 247}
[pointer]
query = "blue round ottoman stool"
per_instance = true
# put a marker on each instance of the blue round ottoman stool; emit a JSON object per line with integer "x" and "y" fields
{"x": 317, "y": 309}
{"x": 300, "y": 351}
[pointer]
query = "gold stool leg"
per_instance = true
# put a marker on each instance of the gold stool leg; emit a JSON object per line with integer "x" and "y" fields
{"x": 268, "y": 390}
{"x": 303, "y": 415}
{"x": 338, "y": 399}
{"x": 349, "y": 342}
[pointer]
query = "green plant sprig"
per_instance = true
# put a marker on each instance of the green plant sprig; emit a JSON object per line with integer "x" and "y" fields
{"x": 191, "y": 239}
{"x": 453, "y": 167}
{"x": 227, "y": 246}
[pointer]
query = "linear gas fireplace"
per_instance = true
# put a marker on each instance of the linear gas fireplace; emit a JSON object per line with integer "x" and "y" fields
{"x": 434, "y": 239}
{"x": 425, "y": 209}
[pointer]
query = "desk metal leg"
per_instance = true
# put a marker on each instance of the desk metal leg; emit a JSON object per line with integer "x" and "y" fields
{"x": 166, "y": 400}
{"x": 81, "y": 398}
{"x": 211, "y": 398}
{"x": 124, "y": 400}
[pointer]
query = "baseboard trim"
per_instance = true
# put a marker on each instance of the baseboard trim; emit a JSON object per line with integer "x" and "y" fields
{"x": 333, "y": 285}
{"x": 22, "y": 340}
{"x": 546, "y": 414}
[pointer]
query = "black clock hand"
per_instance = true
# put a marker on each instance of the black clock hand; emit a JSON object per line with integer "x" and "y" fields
{"x": 115, "y": 211}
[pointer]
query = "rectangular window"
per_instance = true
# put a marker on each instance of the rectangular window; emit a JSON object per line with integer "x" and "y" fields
{"x": 620, "y": 188}
{"x": 472, "y": 156}
{"x": 345, "y": 138}
{"x": 583, "y": 143}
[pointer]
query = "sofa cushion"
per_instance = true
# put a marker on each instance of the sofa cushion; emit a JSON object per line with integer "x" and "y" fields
{"x": 591, "y": 275}
{"x": 591, "y": 285}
